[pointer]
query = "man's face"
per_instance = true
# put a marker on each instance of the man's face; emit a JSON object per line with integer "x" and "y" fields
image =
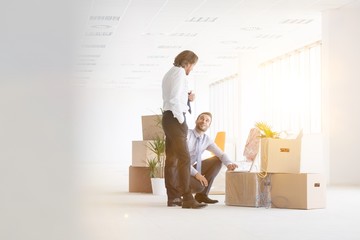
{"x": 189, "y": 68}
{"x": 203, "y": 123}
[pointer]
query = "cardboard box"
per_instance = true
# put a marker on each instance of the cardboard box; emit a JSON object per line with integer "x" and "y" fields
{"x": 303, "y": 154}
{"x": 141, "y": 153}
{"x": 298, "y": 191}
{"x": 152, "y": 127}
{"x": 246, "y": 189}
{"x": 139, "y": 179}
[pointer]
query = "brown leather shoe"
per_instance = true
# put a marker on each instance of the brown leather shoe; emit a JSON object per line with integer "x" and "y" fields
{"x": 174, "y": 202}
{"x": 202, "y": 198}
{"x": 193, "y": 204}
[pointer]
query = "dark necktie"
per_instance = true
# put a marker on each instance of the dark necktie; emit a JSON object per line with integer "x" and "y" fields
{"x": 188, "y": 103}
{"x": 198, "y": 155}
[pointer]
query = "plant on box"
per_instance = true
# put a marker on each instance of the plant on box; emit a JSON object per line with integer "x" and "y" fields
{"x": 266, "y": 131}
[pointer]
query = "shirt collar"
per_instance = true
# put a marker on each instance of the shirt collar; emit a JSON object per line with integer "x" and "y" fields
{"x": 197, "y": 135}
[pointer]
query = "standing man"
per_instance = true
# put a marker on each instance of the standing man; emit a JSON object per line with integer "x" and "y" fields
{"x": 175, "y": 95}
{"x": 204, "y": 172}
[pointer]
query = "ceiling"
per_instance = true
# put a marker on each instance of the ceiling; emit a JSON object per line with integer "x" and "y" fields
{"x": 132, "y": 43}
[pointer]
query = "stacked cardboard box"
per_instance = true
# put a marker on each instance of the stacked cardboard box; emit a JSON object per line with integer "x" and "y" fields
{"x": 246, "y": 189}
{"x": 302, "y": 154}
{"x": 291, "y": 167}
{"x": 298, "y": 190}
{"x": 139, "y": 179}
{"x": 141, "y": 153}
{"x": 139, "y": 174}
{"x": 151, "y": 127}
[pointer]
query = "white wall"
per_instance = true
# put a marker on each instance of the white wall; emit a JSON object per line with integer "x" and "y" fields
{"x": 341, "y": 87}
{"x": 108, "y": 120}
{"x": 37, "y": 175}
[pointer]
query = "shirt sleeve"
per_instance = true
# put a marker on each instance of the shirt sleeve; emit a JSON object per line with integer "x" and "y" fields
{"x": 179, "y": 117}
{"x": 179, "y": 91}
{"x": 219, "y": 153}
{"x": 193, "y": 171}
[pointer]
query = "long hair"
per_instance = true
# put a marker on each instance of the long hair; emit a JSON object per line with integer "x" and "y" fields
{"x": 184, "y": 58}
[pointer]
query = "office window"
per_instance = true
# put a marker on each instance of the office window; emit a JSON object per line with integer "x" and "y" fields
{"x": 291, "y": 93}
{"x": 224, "y": 106}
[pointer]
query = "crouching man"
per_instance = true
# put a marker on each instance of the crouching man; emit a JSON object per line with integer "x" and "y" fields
{"x": 203, "y": 172}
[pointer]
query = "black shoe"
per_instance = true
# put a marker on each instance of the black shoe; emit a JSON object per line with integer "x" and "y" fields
{"x": 205, "y": 199}
{"x": 174, "y": 202}
{"x": 193, "y": 204}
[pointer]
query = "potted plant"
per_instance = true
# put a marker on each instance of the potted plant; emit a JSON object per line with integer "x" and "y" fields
{"x": 156, "y": 165}
{"x": 266, "y": 131}
{"x": 152, "y": 164}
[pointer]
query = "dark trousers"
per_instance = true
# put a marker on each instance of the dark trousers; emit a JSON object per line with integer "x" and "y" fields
{"x": 177, "y": 164}
{"x": 210, "y": 168}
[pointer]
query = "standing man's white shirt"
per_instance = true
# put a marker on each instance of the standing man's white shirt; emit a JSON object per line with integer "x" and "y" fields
{"x": 175, "y": 92}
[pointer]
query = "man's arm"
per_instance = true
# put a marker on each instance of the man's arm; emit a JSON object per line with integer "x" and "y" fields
{"x": 222, "y": 156}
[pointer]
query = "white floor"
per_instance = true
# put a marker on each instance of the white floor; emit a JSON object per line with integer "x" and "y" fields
{"x": 111, "y": 212}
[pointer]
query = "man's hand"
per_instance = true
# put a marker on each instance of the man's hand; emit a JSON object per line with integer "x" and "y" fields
{"x": 201, "y": 179}
{"x": 191, "y": 96}
{"x": 232, "y": 166}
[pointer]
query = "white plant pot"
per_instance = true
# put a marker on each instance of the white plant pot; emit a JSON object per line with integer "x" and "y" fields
{"x": 158, "y": 186}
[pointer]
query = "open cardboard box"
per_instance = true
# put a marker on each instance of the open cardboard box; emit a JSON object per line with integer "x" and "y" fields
{"x": 303, "y": 154}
